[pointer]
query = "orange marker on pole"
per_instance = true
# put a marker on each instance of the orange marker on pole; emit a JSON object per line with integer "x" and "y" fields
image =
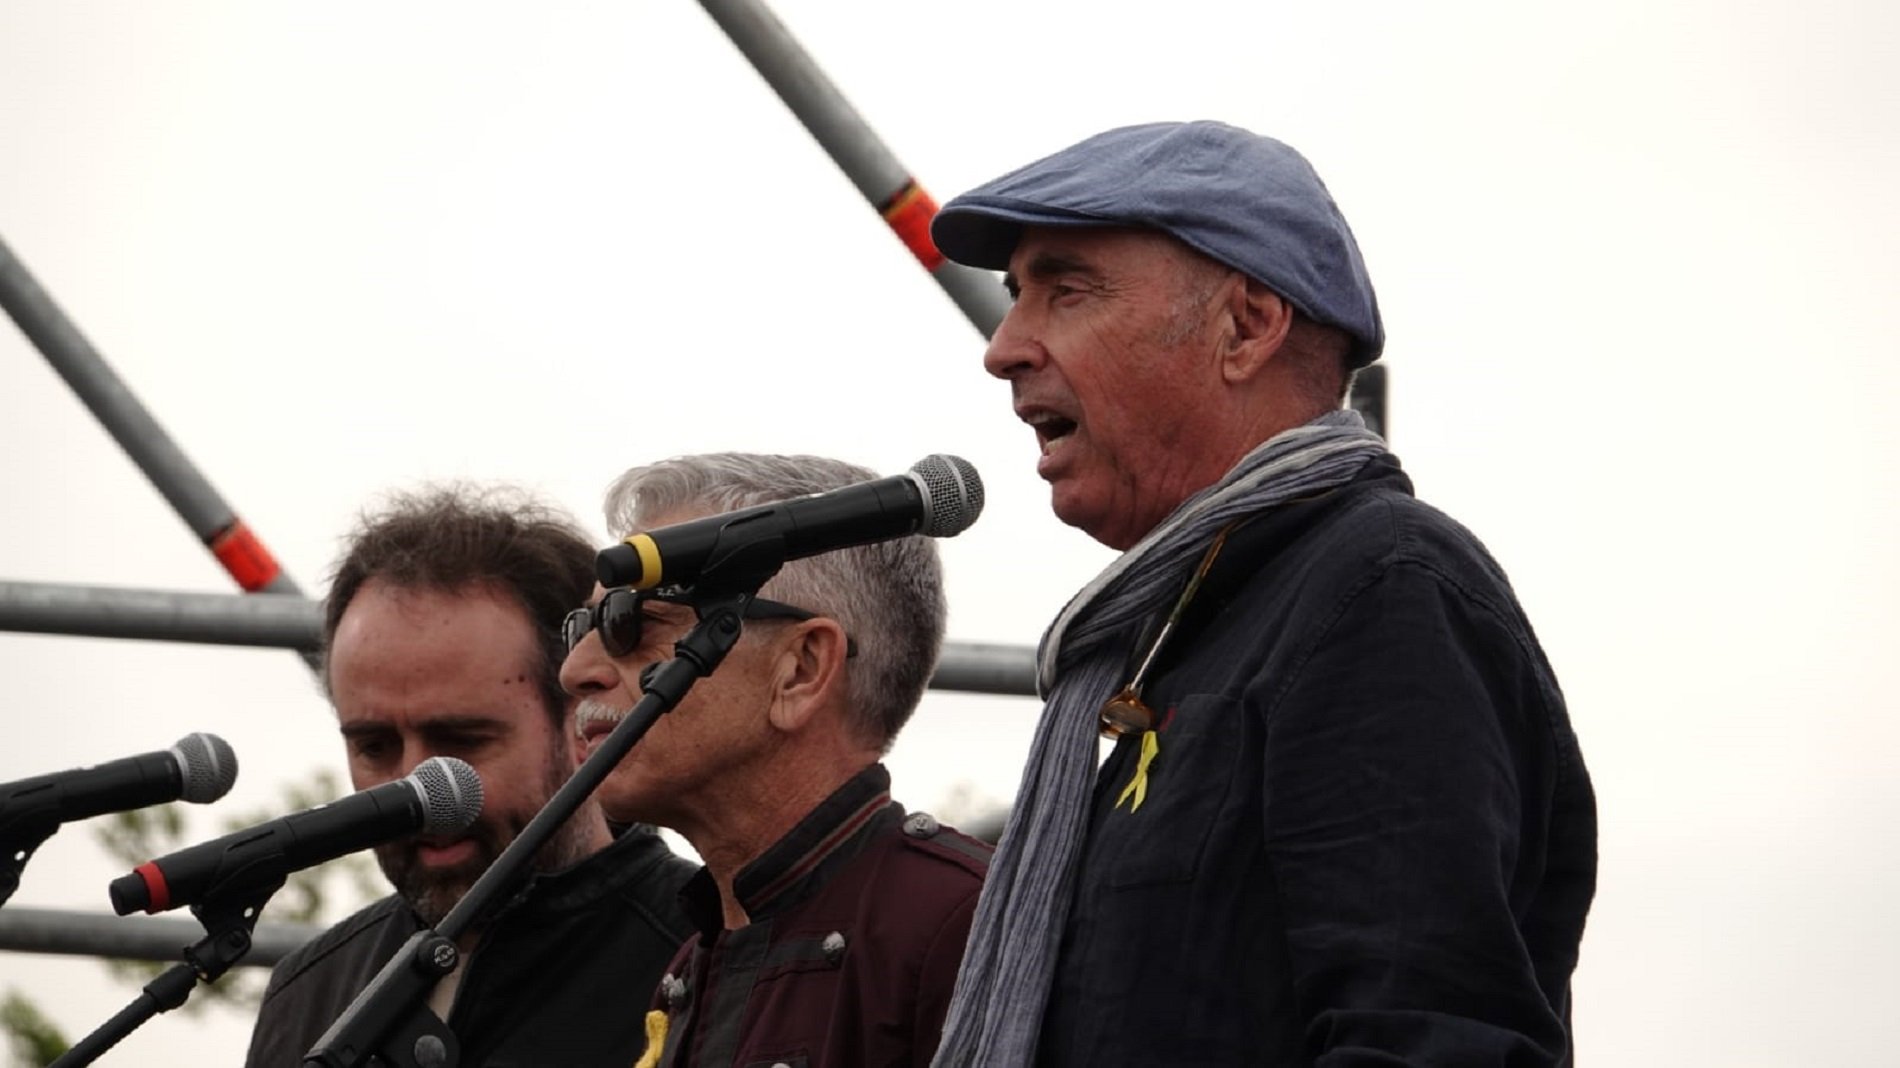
{"x": 857, "y": 150}
{"x": 909, "y": 213}
{"x": 190, "y": 494}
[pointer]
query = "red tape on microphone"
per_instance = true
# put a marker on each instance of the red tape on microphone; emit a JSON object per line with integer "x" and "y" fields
{"x": 160, "y": 895}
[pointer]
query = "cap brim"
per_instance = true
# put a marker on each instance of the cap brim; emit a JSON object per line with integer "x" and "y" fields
{"x": 985, "y": 233}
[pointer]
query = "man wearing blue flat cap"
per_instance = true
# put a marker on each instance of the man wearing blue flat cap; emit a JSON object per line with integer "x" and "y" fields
{"x": 1346, "y": 820}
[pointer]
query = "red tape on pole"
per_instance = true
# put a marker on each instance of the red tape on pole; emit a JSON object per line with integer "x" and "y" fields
{"x": 909, "y": 212}
{"x": 244, "y": 556}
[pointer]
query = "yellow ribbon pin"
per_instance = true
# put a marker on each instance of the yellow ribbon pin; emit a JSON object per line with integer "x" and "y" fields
{"x": 1138, "y": 785}
{"x": 656, "y": 1040}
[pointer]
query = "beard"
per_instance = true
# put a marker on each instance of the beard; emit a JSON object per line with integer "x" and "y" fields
{"x": 433, "y": 891}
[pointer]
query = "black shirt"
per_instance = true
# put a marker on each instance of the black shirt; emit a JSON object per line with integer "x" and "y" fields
{"x": 560, "y": 976}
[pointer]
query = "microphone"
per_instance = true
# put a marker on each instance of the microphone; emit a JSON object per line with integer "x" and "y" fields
{"x": 939, "y": 496}
{"x": 200, "y": 768}
{"x": 442, "y": 796}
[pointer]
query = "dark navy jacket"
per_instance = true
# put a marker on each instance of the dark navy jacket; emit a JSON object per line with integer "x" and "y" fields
{"x": 1368, "y": 837}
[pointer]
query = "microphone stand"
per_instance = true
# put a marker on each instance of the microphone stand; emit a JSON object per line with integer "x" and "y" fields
{"x": 389, "y": 1025}
{"x": 228, "y": 918}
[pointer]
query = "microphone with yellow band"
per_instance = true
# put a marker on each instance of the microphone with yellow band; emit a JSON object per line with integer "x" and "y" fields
{"x": 939, "y": 496}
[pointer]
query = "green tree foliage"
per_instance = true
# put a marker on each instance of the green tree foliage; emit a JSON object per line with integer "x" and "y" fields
{"x": 32, "y": 1038}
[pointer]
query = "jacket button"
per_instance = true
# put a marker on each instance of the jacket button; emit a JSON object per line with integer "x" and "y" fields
{"x": 922, "y": 825}
{"x": 430, "y": 1052}
{"x": 834, "y": 947}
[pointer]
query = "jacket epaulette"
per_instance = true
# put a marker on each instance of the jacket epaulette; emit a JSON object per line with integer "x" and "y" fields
{"x": 923, "y": 833}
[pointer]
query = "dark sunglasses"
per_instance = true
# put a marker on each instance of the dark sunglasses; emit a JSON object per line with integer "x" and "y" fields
{"x": 619, "y": 619}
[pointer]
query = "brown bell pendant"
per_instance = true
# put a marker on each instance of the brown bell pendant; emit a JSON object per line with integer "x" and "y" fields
{"x": 1125, "y": 713}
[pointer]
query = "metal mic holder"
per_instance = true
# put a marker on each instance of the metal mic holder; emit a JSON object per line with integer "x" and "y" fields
{"x": 228, "y": 919}
{"x": 18, "y": 840}
{"x": 389, "y": 1025}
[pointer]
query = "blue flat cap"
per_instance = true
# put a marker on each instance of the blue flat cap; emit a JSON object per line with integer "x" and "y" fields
{"x": 1250, "y": 202}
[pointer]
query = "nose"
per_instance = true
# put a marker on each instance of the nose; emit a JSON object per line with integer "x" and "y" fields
{"x": 1013, "y": 349}
{"x": 412, "y": 755}
{"x": 587, "y": 669}
{"x": 414, "y": 752}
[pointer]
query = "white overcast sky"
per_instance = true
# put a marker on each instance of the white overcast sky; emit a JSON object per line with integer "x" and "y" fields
{"x": 1636, "y": 260}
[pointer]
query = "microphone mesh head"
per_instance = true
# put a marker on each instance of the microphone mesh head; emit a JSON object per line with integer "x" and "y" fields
{"x": 207, "y": 766}
{"x": 953, "y": 494}
{"x": 451, "y": 794}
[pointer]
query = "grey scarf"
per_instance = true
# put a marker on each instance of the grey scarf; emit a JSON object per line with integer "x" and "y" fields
{"x": 996, "y": 1013}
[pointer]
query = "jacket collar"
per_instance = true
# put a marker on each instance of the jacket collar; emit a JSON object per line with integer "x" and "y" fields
{"x": 797, "y": 865}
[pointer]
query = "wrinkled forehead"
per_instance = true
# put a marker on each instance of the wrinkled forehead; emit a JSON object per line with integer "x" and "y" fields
{"x": 1042, "y": 251}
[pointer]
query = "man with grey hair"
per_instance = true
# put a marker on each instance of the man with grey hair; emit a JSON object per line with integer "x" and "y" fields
{"x": 1346, "y": 821}
{"x": 831, "y": 924}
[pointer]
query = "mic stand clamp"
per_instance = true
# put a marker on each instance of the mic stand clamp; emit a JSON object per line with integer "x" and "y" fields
{"x": 228, "y": 919}
{"x": 403, "y": 1032}
{"x": 18, "y": 839}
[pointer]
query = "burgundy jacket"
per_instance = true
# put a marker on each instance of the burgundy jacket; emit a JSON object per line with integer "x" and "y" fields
{"x": 859, "y": 916}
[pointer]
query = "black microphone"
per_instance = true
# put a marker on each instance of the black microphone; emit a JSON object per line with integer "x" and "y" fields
{"x": 939, "y": 496}
{"x": 200, "y": 768}
{"x": 442, "y": 796}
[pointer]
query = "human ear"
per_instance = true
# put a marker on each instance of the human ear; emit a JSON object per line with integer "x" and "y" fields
{"x": 808, "y": 672}
{"x": 1260, "y": 320}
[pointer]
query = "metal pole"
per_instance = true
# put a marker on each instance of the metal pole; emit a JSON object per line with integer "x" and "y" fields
{"x": 296, "y": 623}
{"x": 157, "y": 938}
{"x": 978, "y": 667}
{"x": 856, "y": 148}
{"x": 862, "y": 155}
{"x": 284, "y": 622}
{"x": 228, "y": 537}
{"x": 1368, "y": 399}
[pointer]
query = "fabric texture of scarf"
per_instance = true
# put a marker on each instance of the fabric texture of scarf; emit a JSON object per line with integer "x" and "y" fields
{"x": 996, "y": 1013}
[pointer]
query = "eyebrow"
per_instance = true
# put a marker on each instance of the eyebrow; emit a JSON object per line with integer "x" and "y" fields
{"x": 1045, "y": 265}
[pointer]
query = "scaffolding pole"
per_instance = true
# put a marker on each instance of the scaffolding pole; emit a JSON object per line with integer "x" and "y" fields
{"x": 288, "y": 622}
{"x": 190, "y": 494}
{"x": 155, "y": 938}
{"x": 857, "y": 150}
{"x": 888, "y": 186}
